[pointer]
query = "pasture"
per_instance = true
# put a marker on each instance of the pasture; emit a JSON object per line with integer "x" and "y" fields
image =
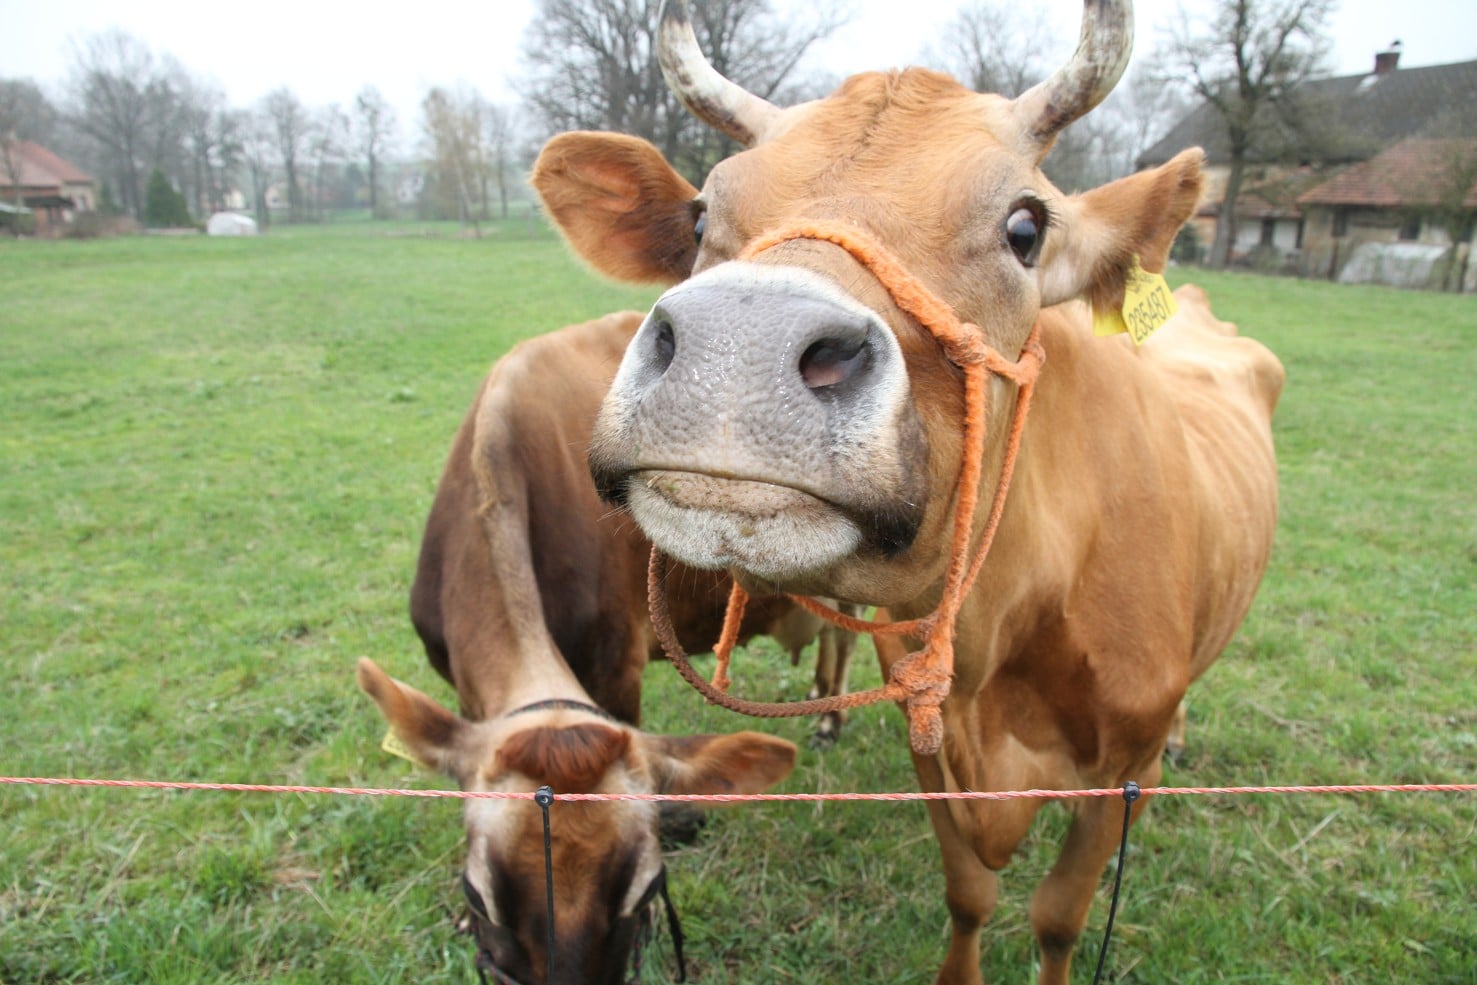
{"x": 217, "y": 456}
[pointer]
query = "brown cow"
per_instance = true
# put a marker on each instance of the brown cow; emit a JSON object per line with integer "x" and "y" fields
{"x": 531, "y": 423}
{"x": 781, "y": 416}
{"x": 530, "y": 600}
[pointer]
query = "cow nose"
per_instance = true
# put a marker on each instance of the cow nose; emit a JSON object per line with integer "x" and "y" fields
{"x": 717, "y": 336}
{"x": 663, "y": 344}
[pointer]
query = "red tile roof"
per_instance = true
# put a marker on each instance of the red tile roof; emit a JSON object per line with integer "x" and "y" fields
{"x": 40, "y": 168}
{"x": 1415, "y": 172}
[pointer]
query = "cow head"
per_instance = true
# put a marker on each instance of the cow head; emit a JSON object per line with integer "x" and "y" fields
{"x": 606, "y": 860}
{"x": 779, "y": 414}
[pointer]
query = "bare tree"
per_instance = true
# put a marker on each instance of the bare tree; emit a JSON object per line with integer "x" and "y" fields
{"x": 1247, "y": 61}
{"x": 1105, "y": 144}
{"x": 290, "y": 124}
{"x": 201, "y": 108}
{"x": 453, "y": 124}
{"x": 1000, "y": 47}
{"x": 115, "y": 87}
{"x": 173, "y": 95}
{"x": 499, "y": 133}
{"x": 374, "y": 127}
{"x": 10, "y": 165}
{"x": 328, "y": 138}
{"x": 1455, "y": 208}
{"x": 258, "y": 142}
{"x": 997, "y": 46}
{"x": 228, "y": 153}
{"x": 590, "y": 64}
{"x": 1139, "y": 111}
{"x": 25, "y": 114}
{"x": 137, "y": 112}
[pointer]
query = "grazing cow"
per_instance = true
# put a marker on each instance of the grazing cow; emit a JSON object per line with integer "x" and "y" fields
{"x": 530, "y": 600}
{"x": 530, "y": 424}
{"x": 785, "y": 413}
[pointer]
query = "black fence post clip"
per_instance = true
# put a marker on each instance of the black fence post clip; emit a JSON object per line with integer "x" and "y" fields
{"x": 544, "y": 796}
{"x": 1131, "y": 793}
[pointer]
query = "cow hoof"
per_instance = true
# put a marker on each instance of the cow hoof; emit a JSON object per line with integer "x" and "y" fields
{"x": 679, "y": 824}
{"x": 1175, "y": 753}
{"x": 825, "y": 735}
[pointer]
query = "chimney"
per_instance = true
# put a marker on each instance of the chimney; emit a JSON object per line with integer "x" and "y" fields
{"x": 1388, "y": 60}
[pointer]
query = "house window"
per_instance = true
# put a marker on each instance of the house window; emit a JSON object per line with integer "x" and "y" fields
{"x": 1466, "y": 234}
{"x": 1269, "y": 231}
{"x": 1410, "y": 229}
{"x": 1340, "y": 223}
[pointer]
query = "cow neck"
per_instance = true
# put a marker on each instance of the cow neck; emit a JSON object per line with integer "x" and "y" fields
{"x": 921, "y": 679}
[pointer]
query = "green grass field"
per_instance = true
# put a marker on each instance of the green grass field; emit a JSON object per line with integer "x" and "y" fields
{"x": 216, "y": 459}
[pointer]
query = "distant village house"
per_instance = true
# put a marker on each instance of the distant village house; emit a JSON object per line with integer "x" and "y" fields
{"x": 1377, "y": 182}
{"x": 35, "y": 181}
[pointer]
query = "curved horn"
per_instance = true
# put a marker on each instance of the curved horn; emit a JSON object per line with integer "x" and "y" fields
{"x": 1101, "y": 56}
{"x": 721, "y": 104}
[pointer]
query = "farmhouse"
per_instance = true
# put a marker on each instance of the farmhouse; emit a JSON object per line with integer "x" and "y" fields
{"x": 1310, "y": 198}
{"x": 1420, "y": 192}
{"x": 53, "y": 188}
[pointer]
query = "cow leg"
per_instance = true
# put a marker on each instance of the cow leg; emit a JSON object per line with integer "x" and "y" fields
{"x": 970, "y": 888}
{"x": 1060, "y": 905}
{"x": 832, "y": 668}
{"x": 971, "y": 891}
{"x": 1174, "y": 746}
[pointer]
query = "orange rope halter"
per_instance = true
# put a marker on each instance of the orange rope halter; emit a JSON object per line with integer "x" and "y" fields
{"x": 921, "y": 679}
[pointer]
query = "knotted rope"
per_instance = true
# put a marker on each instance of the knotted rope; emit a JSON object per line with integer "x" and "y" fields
{"x": 920, "y": 680}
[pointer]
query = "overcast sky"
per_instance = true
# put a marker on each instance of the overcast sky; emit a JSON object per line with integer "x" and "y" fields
{"x": 326, "y": 52}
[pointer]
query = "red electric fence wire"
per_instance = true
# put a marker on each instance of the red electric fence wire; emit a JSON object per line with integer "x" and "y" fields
{"x": 544, "y": 798}
{"x": 740, "y": 798}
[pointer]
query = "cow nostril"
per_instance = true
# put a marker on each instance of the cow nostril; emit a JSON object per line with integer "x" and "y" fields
{"x": 832, "y": 361}
{"x": 664, "y": 345}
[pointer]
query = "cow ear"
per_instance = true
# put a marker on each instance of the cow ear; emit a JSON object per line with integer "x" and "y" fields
{"x": 1104, "y": 229}
{"x": 620, "y": 206}
{"x": 744, "y": 762}
{"x": 426, "y": 730}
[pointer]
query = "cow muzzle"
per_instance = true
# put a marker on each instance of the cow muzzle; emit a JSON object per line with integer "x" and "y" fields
{"x": 761, "y": 419}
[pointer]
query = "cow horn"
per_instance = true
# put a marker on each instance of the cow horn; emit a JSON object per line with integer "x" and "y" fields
{"x": 723, "y": 105}
{"x": 1101, "y": 56}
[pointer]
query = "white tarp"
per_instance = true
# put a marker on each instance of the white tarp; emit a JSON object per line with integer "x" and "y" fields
{"x": 1395, "y": 264}
{"x": 231, "y": 224}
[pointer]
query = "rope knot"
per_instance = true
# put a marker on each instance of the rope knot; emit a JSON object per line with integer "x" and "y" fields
{"x": 926, "y": 675}
{"x": 966, "y": 346}
{"x": 1024, "y": 370}
{"x": 1032, "y": 358}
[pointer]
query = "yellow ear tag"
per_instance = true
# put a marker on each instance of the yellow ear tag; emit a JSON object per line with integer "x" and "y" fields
{"x": 1147, "y": 304}
{"x": 395, "y": 746}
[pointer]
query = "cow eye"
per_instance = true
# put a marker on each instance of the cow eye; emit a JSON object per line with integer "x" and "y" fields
{"x": 699, "y": 225}
{"x": 1023, "y": 233}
